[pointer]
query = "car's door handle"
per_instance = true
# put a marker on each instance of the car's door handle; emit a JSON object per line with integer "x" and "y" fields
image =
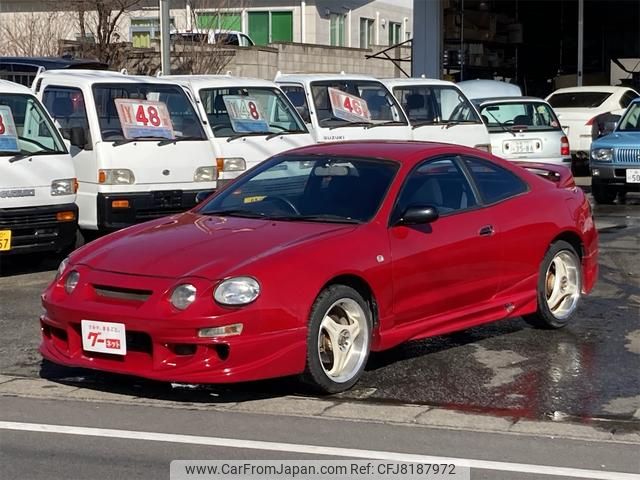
{"x": 486, "y": 231}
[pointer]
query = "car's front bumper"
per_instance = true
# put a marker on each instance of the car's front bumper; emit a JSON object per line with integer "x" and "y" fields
{"x": 613, "y": 176}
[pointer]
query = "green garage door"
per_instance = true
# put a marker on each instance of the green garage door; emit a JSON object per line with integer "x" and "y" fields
{"x": 282, "y": 26}
{"x": 259, "y": 27}
{"x": 222, "y": 21}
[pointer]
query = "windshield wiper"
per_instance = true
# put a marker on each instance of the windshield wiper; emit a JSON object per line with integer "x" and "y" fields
{"x": 124, "y": 141}
{"x": 500, "y": 124}
{"x": 282, "y": 132}
{"x": 236, "y": 212}
{"x": 19, "y": 156}
{"x": 319, "y": 218}
{"x": 352, "y": 124}
{"x": 422, "y": 123}
{"x": 384, "y": 124}
{"x": 453, "y": 123}
{"x": 246, "y": 134}
{"x": 167, "y": 141}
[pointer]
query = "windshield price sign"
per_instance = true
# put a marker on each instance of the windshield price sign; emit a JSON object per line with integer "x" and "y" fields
{"x": 348, "y": 107}
{"x": 245, "y": 114}
{"x": 8, "y": 135}
{"x": 144, "y": 118}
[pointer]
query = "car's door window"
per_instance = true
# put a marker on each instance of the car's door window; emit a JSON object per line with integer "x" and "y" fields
{"x": 67, "y": 106}
{"x": 627, "y": 98}
{"x": 494, "y": 182}
{"x": 439, "y": 183}
{"x": 297, "y": 96}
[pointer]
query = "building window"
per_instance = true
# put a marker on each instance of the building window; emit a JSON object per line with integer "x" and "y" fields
{"x": 143, "y": 30}
{"x": 337, "y": 22}
{"x": 394, "y": 33}
{"x": 366, "y": 32}
{"x": 267, "y": 27}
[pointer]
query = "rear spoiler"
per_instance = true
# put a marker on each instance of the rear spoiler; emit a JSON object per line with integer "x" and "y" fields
{"x": 558, "y": 174}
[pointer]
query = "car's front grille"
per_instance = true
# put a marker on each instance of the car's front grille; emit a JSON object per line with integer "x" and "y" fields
{"x": 119, "y": 293}
{"x": 23, "y": 218}
{"x": 627, "y": 155}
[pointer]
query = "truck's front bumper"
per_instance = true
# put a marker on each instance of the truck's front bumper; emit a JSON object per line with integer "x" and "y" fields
{"x": 614, "y": 176}
{"x": 40, "y": 229}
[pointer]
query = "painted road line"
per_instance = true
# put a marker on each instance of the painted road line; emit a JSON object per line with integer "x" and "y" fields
{"x": 316, "y": 450}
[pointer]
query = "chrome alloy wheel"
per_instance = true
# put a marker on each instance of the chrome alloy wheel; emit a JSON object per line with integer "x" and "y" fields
{"x": 563, "y": 284}
{"x": 343, "y": 340}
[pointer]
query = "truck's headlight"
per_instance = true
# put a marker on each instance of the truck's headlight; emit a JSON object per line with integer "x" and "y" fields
{"x": 116, "y": 176}
{"x": 237, "y": 291}
{"x": 63, "y": 186}
{"x": 602, "y": 154}
{"x": 183, "y": 296}
{"x": 205, "y": 174}
{"x": 234, "y": 164}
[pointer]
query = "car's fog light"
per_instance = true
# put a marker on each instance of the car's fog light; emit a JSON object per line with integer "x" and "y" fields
{"x": 226, "y": 331}
{"x": 183, "y": 296}
{"x": 71, "y": 282}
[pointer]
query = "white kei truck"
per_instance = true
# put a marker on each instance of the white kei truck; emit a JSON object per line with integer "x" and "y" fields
{"x": 342, "y": 106}
{"x": 439, "y": 112}
{"x": 139, "y": 147}
{"x": 248, "y": 120}
{"x": 38, "y": 213}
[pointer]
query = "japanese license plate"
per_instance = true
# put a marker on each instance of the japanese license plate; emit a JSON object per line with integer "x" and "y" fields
{"x": 633, "y": 176}
{"x": 5, "y": 240}
{"x": 521, "y": 146}
{"x": 103, "y": 337}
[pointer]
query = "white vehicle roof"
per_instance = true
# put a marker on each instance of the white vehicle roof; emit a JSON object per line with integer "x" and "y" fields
{"x": 407, "y": 82}
{"x": 86, "y": 78}
{"x": 11, "y": 87}
{"x": 313, "y": 77}
{"x": 220, "y": 81}
{"x": 489, "y": 101}
{"x": 489, "y": 88}
{"x": 593, "y": 88}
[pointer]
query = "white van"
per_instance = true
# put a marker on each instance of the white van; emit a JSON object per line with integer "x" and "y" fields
{"x": 439, "y": 112}
{"x": 346, "y": 107}
{"x": 37, "y": 178}
{"x": 139, "y": 147}
{"x": 248, "y": 120}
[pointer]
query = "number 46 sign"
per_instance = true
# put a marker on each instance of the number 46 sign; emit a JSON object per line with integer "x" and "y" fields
{"x": 144, "y": 118}
{"x": 348, "y": 107}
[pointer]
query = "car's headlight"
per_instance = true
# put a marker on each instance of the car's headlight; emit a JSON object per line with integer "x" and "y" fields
{"x": 602, "y": 154}
{"x": 63, "y": 186}
{"x": 62, "y": 268}
{"x": 237, "y": 291}
{"x": 183, "y": 296}
{"x": 116, "y": 176}
{"x": 71, "y": 282}
{"x": 205, "y": 174}
{"x": 234, "y": 164}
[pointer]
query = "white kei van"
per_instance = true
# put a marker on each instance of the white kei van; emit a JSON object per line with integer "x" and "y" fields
{"x": 248, "y": 120}
{"x": 37, "y": 178}
{"x": 138, "y": 145}
{"x": 439, "y": 112}
{"x": 346, "y": 107}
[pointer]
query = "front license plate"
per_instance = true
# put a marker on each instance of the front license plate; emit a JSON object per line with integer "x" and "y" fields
{"x": 633, "y": 175}
{"x": 104, "y": 337}
{"x": 5, "y": 240}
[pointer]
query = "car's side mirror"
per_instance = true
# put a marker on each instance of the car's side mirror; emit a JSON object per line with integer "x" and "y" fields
{"x": 418, "y": 215}
{"x": 203, "y": 195}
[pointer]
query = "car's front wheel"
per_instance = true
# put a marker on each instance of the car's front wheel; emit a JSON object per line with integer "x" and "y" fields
{"x": 559, "y": 287}
{"x": 338, "y": 339}
{"x": 602, "y": 194}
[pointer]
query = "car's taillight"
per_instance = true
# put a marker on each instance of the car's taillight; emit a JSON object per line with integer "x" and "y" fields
{"x": 564, "y": 147}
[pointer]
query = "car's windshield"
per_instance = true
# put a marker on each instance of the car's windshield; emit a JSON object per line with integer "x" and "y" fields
{"x": 435, "y": 104}
{"x": 234, "y": 110}
{"x": 340, "y": 103}
{"x": 532, "y": 116}
{"x": 578, "y": 99}
{"x": 308, "y": 188}
{"x": 184, "y": 120}
{"x": 630, "y": 122}
{"x": 25, "y": 128}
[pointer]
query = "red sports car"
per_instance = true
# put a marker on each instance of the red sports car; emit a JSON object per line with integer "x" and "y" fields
{"x": 320, "y": 255}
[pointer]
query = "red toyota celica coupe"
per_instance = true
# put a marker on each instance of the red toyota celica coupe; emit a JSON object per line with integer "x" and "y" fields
{"x": 320, "y": 255}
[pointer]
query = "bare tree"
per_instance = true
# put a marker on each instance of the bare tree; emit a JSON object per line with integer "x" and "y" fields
{"x": 30, "y": 34}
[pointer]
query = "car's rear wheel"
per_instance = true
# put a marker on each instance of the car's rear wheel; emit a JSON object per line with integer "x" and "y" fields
{"x": 559, "y": 287}
{"x": 603, "y": 195}
{"x": 338, "y": 339}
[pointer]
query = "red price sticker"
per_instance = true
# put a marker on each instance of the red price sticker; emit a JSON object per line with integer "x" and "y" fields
{"x": 144, "y": 118}
{"x": 8, "y": 134}
{"x": 244, "y": 113}
{"x": 348, "y": 107}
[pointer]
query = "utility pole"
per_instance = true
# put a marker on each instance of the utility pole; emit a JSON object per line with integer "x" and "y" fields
{"x": 580, "y": 40}
{"x": 165, "y": 47}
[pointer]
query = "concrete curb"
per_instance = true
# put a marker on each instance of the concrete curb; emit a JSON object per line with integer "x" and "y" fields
{"x": 408, "y": 415}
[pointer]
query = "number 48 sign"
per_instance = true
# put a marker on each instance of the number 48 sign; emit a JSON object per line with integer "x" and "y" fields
{"x": 144, "y": 118}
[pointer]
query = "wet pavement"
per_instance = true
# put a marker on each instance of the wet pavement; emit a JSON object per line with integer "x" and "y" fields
{"x": 588, "y": 370}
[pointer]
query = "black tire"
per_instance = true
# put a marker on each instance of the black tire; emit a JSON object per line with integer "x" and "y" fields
{"x": 603, "y": 195}
{"x": 315, "y": 374}
{"x": 544, "y": 317}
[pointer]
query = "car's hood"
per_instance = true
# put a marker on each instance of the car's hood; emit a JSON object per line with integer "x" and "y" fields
{"x": 618, "y": 140}
{"x": 197, "y": 245}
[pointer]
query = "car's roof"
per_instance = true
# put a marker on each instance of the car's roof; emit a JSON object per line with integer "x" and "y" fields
{"x": 487, "y": 101}
{"x": 209, "y": 81}
{"x": 593, "y": 88}
{"x": 90, "y": 77}
{"x": 55, "y": 62}
{"x": 11, "y": 87}
{"x": 400, "y": 82}
{"x": 311, "y": 77}
{"x": 489, "y": 88}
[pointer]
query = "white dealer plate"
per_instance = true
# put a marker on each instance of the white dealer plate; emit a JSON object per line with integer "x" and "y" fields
{"x": 633, "y": 175}
{"x": 104, "y": 337}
